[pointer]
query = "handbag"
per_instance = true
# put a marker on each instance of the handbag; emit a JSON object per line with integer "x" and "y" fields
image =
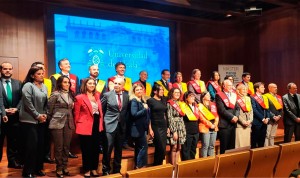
{"x": 134, "y": 131}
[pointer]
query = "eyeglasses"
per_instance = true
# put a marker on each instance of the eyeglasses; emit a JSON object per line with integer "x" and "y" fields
{"x": 117, "y": 83}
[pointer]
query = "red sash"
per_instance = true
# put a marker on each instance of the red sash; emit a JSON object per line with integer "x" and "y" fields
{"x": 195, "y": 86}
{"x": 226, "y": 100}
{"x": 260, "y": 101}
{"x": 196, "y": 111}
{"x": 73, "y": 82}
{"x": 241, "y": 103}
{"x": 213, "y": 109}
{"x": 279, "y": 100}
{"x": 175, "y": 85}
{"x": 216, "y": 86}
{"x": 176, "y": 107}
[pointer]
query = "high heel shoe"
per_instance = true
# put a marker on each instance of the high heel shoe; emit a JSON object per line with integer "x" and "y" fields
{"x": 66, "y": 172}
{"x": 87, "y": 174}
{"x": 94, "y": 173}
{"x": 59, "y": 174}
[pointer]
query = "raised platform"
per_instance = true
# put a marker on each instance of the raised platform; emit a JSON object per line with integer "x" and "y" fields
{"x": 127, "y": 161}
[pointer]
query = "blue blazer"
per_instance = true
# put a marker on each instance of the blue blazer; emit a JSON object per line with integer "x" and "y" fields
{"x": 259, "y": 113}
{"x": 139, "y": 117}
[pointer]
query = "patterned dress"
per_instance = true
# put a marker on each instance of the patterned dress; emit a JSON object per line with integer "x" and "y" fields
{"x": 176, "y": 124}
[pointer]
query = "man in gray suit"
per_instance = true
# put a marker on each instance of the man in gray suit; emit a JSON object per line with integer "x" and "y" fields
{"x": 114, "y": 104}
{"x": 11, "y": 92}
{"x": 291, "y": 118}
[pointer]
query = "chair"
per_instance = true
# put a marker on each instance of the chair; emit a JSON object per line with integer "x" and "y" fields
{"x": 288, "y": 160}
{"x": 263, "y": 161}
{"x": 155, "y": 171}
{"x": 233, "y": 164}
{"x": 201, "y": 167}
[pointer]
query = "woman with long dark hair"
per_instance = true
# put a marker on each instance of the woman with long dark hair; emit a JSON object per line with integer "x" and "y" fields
{"x": 61, "y": 125}
{"x": 89, "y": 123}
{"x": 214, "y": 85}
{"x": 33, "y": 121}
{"x": 158, "y": 123}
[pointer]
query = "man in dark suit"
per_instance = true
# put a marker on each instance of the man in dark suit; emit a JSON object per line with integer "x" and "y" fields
{"x": 261, "y": 116}
{"x": 165, "y": 76}
{"x": 228, "y": 111}
{"x": 291, "y": 118}
{"x": 114, "y": 104}
{"x": 11, "y": 91}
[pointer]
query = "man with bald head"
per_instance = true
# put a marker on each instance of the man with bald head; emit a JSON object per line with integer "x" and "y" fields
{"x": 276, "y": 112}
{"x": 114, "y": 105}
{"x": 228, "y": 110}
{"x": 291, "y": 118}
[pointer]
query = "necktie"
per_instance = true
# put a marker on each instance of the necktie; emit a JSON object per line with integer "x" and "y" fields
{"x": 119, "y": 101}
{"x": 8, "y": 93}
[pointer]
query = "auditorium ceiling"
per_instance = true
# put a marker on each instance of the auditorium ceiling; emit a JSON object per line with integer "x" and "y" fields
{"x": 217, "y": 10}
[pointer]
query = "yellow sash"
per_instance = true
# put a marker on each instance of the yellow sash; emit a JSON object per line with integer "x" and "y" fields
{"x": 207, "y": 114}
{"x": 148, "y": 89}
{"x": 127, "y": 85}
{"x": 100, "y": 86}
{"x": 56, "y": 76}
{"x": 187, "y": 110}
{"x": 248, "y": 103}
{"x": 165, "y": 90}
{"x": 48, "y": 84}
{"x": 274, "y": 100}
{"x": 202, "y": 86}
{"x": 251, "y": 88}
{"x": 184, "y": 87}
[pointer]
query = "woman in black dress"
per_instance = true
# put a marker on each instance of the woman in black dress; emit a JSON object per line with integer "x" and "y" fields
{"x": 158, "y": 123}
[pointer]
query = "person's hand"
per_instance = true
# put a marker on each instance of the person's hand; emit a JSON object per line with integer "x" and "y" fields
{"x": 175, "y": 136}
{"x": 298, "y": 120}
{"x": 151, "y": 133}
{"x": 13, "y": 110}
{"x": 42, "y": 118}
{"x": 146, "y": 106}
{"x": 5, "y": 119}
{"x": 265, "y": 120}
{"x": 234, "y": 119}
{"x": 213, "y": 126}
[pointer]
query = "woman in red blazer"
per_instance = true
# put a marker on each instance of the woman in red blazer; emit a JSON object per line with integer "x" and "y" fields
{"x": 89, "y": 123}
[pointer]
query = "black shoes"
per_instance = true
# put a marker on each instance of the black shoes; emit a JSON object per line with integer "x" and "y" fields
{"x": 15, "y": 165}
{"x": 28, "y": 175}
{"x": 40, "y": 173}
{"x": 49, "y": 160}
{"x": 94, "y": 173}
{"x": 59, "y": 174}
{"x": 66, "y": 172}
{"x": 105, "y": 174}
{"x": 72, "y": 155}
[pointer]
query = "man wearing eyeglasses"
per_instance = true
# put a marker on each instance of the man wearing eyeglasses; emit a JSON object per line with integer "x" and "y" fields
{"x": 114, "y": 105}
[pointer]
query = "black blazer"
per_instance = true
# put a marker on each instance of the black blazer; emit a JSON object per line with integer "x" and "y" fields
{"x": 16, "y": 87}
{"x": 290, "y": 109}
{"x": 139, "y": 116}
{"x": 259, "y": 112}
{"x": 112, "y": 114}
{"x": 226, "y": 114}
{"x": 274, "y": 112}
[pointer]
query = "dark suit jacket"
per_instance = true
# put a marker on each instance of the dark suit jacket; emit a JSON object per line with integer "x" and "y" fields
{"x": 274, "y": 112}
{"x": 139, "y": 117}
{"x": 290, "y": 109}
{"x": 111, "y": 112}
{"x": 16, "y": 87}
{"x": 259, "y": 112}
{"x": 226, "y": 114}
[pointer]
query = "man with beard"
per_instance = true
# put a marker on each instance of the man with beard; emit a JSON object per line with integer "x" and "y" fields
{"x": 11, "y": 92}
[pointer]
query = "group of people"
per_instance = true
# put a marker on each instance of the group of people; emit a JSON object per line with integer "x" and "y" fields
{"x": 112, "y": 112}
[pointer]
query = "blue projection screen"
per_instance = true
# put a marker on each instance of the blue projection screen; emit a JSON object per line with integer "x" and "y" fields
{"x": 86, "y": 41}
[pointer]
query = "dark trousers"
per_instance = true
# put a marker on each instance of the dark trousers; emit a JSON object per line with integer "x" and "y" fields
{"x": 188, "y": 150}
{"x": 258, "y": 135}
{"x": 34, "y": 147}
{"x": 90, "y": 147}
{"x": 227, "y": 138}
{"x": 289, "y": 130}
{"x": 160, "y": 142}
{"x": 62, "y": 140}
{"x": 114, "y": 141}
{"x": 11, "y": 130}
{"x": 140, "y": 151}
